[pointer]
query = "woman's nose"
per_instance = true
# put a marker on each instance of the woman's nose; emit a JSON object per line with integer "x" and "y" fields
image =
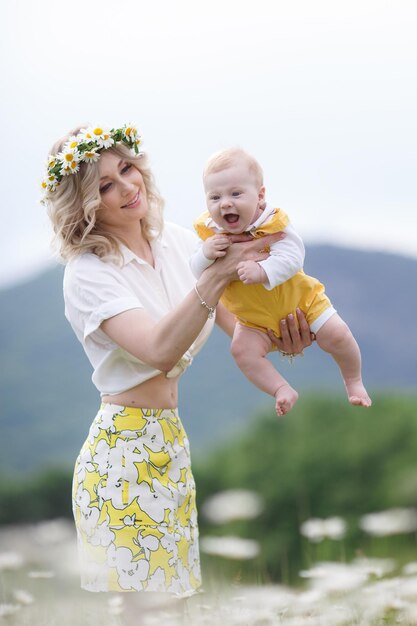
{"x": 126, "y": 187}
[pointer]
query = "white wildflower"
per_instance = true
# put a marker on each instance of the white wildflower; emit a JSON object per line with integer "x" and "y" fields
{"x": 130, "y": 132}
{"x": 10, "y": 560}
{"x": 409, "y": 614}
{"x": 41, "y": 574}
{"x": 232, "y": 504}
{"x": 115, "y": 605}
{"x": 382, "y": 595}
{"x": 53, "y": 532}
{"x": 90, "y": 156}
{"x": 335, "y": 577}
{"x": 8, "y": 609}
{"x": 274, "y": 597}
{"x": 23, "y": 597}
{"x": 71, "y": 144}
{"x": 51, "y": 161}
{"x": 408, "y": 587}
{"x": 376, "y": 567}
{"x": 390, "y": 522}
{"x": 230, "y": 547}
{"x": 410, "y": 568}
{"x": 317, "y": 529}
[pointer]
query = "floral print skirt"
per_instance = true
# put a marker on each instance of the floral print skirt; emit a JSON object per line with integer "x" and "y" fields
{"x": 134, "y": 503}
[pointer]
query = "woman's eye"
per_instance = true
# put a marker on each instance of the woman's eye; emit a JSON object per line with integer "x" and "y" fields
{"x": 126, "y": 168}
{"x": 105, "y": 188}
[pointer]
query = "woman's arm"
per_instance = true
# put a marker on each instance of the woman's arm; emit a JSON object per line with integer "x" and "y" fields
{"x": 161, "y": 344}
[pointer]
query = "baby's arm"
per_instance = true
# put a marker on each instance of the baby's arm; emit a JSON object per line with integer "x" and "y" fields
{"x": 285, "y": 259}
{"x": 207, "y": 252}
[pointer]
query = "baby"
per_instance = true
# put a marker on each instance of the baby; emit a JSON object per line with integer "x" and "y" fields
{"x": 271, "y": 289}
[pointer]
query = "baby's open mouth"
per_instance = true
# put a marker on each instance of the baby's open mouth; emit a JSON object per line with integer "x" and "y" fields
{"x": 231, "y": 218}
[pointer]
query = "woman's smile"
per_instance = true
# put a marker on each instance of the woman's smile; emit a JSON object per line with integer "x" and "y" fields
{"x": 133, "y": 203}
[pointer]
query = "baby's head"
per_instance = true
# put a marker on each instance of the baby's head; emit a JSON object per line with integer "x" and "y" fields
{"x": 233, "y": 184}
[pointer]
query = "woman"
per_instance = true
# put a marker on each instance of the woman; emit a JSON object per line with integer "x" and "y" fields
{"x": 133, "y": 303}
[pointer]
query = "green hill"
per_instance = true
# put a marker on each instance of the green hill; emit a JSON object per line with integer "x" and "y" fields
{"x": 48, "y": 400}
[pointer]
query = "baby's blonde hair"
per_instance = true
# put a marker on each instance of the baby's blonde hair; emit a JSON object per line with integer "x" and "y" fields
{"x": 72, "y": 207}
{"x": 226, "y": 158}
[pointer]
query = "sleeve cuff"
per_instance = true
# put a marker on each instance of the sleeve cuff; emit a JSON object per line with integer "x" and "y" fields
{"x": 107, "y": 310}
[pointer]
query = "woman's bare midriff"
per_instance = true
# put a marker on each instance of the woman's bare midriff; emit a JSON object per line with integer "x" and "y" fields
{"x": 157, "y": 393}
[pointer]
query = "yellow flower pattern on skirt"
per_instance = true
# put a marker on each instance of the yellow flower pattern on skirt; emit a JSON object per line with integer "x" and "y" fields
{"x": 134, "y": 503}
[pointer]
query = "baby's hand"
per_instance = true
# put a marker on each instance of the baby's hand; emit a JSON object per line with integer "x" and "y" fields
{"x": 250, "y": 272}
{"x": 216, "y": 246}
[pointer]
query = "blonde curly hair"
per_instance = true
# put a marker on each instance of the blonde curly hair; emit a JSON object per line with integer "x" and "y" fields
{"x": 72, "y": 207}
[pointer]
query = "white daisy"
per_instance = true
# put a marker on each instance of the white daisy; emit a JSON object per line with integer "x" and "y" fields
{"x": 230, "y": 547}
{"x": 23, "y": 597}
{"x": 84, "y": 135}
{"x": 50, "y": 183}
{"x": 99, "y": 135}
{"x": 72, "y": 143}
{"x": 105, "y": 141}
{"x": 90, "y": 156}
{"x": 130, "y": 132}
{"x": 68, "y": 155}
{"x": 70, "y": 167}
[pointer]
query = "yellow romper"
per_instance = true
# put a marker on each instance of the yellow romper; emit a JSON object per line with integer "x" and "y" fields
{"x": 257, "y": 307}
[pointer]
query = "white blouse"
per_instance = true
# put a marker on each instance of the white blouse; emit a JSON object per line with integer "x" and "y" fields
{"x": 95, "y": 290}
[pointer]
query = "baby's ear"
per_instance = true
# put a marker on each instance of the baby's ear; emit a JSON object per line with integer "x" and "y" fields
{"x": 261, "y": 194}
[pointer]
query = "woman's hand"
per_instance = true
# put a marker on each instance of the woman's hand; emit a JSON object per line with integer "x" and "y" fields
{"x": 295, "y": 334}
{"x": 245, "y": 248}
{"x": 260, "y": 242}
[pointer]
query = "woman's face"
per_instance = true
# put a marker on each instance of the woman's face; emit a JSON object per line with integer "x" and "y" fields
{"x": 123, "y": 192}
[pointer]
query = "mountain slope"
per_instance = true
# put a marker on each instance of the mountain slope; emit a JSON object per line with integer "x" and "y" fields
{"x": 48, "y": 400}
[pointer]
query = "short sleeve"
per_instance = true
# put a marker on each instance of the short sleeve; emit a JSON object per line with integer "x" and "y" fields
{"x": 95, "y": 290}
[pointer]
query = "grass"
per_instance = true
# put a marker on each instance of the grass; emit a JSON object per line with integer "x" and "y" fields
{"x": 39, "y": 586}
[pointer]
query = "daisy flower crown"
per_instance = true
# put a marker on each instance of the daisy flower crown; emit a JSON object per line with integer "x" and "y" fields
{"x": 85, "y": 148}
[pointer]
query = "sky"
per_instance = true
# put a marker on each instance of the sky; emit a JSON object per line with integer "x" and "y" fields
{"x": 323, "y": 94}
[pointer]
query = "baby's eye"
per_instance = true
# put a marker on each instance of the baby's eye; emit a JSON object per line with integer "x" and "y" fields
{"x": 214, "y": 197}
{"x": 104, "y": 188}
{"x": 236, "y": 193}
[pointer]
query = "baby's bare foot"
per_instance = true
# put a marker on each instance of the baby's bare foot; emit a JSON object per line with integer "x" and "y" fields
{"x": 357, "y": 393}
{"x": 285, "y": 398}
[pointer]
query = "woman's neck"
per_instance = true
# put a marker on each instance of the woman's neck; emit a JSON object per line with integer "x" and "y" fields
{"x": 134, "y": 239}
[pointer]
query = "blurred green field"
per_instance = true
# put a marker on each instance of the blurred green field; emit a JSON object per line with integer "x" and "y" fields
{"x": 290, "y": 537}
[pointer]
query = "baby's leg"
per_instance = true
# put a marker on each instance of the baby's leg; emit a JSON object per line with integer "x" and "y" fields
{"x": 249, "y": 349}
{"x": 336, "y": 338}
